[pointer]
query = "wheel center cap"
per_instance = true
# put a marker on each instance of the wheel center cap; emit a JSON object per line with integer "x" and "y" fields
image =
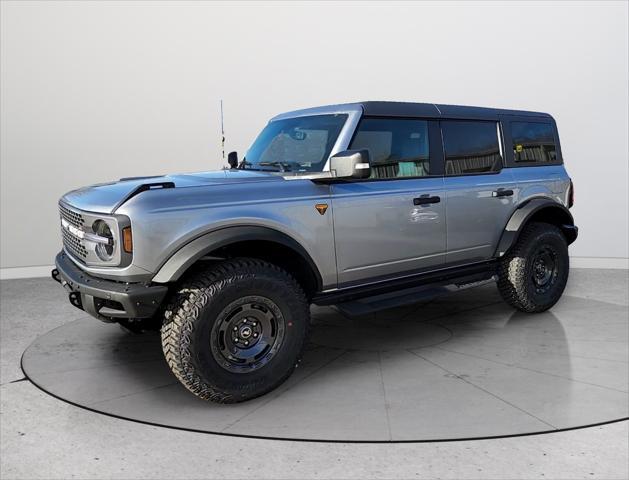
{"x": 245, "y": 332}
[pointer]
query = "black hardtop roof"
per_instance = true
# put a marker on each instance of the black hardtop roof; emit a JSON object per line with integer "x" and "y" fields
{"x": 408, "y": 109}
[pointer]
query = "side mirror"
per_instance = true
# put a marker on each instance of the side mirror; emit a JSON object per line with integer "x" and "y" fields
{"x": 232, "y": 159}
{"x": 351, "y": 164}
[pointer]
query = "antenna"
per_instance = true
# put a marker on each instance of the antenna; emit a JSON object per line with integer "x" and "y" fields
{"x": 222, "y": 131}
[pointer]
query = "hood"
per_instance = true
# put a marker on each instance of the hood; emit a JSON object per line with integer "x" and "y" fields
{"x": 107, "y": 197}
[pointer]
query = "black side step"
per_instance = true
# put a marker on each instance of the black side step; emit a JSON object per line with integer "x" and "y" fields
{"x": 409, "y": 296}
{"x": 439, "y": 282}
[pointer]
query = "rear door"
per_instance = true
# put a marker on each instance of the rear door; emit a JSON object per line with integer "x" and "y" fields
{"x": 393, "y": 223}
{"x": 480, "y": 193}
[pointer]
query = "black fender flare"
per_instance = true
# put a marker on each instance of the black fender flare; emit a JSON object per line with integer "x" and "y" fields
{"x": 183, "y": 258}
{"x": 560, "y": 214}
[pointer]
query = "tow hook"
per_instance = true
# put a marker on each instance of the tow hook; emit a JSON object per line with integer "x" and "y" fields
{"x": 75, "y": 299}
{"x": 57, "y": 278}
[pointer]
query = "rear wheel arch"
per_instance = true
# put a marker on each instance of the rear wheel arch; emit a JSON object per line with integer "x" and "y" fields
{"x": 542, "y": 210}
{"x": 259, "y": 242}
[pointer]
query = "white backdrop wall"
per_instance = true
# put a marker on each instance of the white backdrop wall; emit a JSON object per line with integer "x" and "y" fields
{"x": 96, "y": 91}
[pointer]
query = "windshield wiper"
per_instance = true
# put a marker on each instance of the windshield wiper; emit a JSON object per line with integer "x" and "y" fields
{"x": 284, "y": 167}
{"x": 244, "y": 165}
{"x": 261, "y": 169}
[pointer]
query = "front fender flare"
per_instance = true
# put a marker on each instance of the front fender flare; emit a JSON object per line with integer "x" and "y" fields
{"x": 181, "y": 260}
{"x": 560, "y": 214}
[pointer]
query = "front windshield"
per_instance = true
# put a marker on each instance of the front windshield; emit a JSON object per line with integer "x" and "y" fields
{"x": 300, "y": 144}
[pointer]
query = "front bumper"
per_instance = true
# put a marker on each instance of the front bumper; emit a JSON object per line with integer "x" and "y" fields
{"x": 107, "y": 300}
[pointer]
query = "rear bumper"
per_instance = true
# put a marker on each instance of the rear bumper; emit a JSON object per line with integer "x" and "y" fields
{"x": 105, "y": 299}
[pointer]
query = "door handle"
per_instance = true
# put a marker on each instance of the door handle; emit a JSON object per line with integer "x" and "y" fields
{"x": 426, "y": 200}
{"x": 501, "y": 192}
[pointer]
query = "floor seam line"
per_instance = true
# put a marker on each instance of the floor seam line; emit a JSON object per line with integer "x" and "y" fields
{"x": 530, "y": 369}
{"x": 19, "y": 380}
{"x": 283, "y": 392}
{"x": 484, "y": 390}
{"x": 569, "y": 355}
{"x": 592, "y": 358}
{"x": 384, "y": 395}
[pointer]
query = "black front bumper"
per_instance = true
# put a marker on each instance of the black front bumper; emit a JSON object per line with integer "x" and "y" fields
{"x": 107, "y": 300}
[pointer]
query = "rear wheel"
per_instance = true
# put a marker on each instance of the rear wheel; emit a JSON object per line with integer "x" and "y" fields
{"x": 237, "y": 331}
{"x": 533, "y": 275}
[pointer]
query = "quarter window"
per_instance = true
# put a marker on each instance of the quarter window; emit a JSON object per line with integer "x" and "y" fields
{"x": 470, "y": 147}
{"x": 533, "y": 142}
{"x": 397, "y": 147}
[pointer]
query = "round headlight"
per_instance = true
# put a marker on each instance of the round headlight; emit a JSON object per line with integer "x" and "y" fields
{"x": 104, "y": 251}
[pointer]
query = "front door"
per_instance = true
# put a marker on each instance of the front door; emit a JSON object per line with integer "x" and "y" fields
{"x": 393, "y": 223}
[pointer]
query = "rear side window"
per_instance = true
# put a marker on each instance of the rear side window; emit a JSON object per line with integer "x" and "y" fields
{"x": 533, "y": 142}
{"x": 470, "y": 147}
{"x": 397, "y": 147}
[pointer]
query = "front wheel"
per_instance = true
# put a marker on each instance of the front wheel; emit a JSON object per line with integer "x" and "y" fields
{"x": 236, "y": 331}
{"x": 533, "y": 275}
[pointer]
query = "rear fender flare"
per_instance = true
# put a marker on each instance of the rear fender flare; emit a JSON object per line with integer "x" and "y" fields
{"x": 543, "y": 207}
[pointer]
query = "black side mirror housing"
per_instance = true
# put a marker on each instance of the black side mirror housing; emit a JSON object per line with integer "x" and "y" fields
{"x": 351, "y": 164}
{"x": 232, "y": 159}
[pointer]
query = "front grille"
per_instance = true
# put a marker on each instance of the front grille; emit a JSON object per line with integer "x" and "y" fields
{"x": 73, "y": 218}
{"x": 73, "y": 245}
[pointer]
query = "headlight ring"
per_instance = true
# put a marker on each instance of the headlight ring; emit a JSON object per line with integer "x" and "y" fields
{"x": 104, "y": 251}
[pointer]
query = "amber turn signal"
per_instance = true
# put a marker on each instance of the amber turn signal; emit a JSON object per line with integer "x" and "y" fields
{"x": 127, "y": 240}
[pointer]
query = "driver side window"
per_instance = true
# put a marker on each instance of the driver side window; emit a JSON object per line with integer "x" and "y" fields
{"x": 398, "y": 147}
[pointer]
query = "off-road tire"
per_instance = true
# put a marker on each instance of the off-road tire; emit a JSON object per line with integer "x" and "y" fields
{"x": 516, "y": 271}
{"x": 194, "y": 313}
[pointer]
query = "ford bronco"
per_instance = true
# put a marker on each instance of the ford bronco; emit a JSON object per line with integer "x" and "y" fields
{"x": 363, "y": 206}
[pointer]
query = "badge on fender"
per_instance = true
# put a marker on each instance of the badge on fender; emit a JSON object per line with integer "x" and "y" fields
{"x": 321, "y": 208}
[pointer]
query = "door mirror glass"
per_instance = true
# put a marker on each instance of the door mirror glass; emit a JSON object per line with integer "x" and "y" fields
{"x": 351, "y": 164}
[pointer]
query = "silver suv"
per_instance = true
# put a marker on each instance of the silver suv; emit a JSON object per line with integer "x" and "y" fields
{"x": 363, "y": 206}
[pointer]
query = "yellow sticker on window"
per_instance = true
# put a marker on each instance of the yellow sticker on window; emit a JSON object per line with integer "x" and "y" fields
{"x": 518, "y": 148}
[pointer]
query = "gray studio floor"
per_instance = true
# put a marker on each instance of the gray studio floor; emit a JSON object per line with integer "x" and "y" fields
{"x": 460, "y": 367}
